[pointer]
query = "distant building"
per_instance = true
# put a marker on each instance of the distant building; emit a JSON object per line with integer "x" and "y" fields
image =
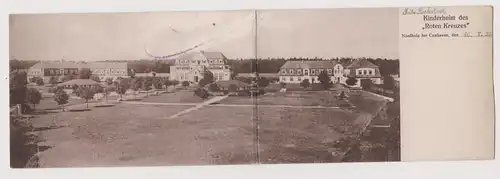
{"x": 364, "y": 69}
{"x": 62, "y": 68}
{"x": 192, "y": 66}
{"x": 297, "y": 71}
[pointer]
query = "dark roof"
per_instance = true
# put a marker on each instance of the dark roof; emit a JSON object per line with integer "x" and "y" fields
{"x": 362, "y": 63}
{"x": 209, "y": 55}
{"x": 213, "y": 55}
{"x": 71, "y": 64}
{"x": 79, "y": 82}
{"x": 309, "y": 64}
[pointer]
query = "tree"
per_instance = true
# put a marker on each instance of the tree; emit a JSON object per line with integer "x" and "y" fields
{"x": 85, "y": 73}
{"x": 208, "y": 77}
{"x": 305, "y": 83}
{"x": 388, "y": 82}
{"x": 86, "y": 94}
{"x": 324, "y": 79}
{"x": 342, "y": 95}
{"x": 283, "y": 85}
{"x": 17, "y": 84}
{"x": 175, "y": 83}
{"x": 107, "y": 90}
{"x": 109, "y": 81}
{"x": 95, "y": 78}
{"x": 202, "y": 93}
{"x": 33, "y": 96}
{"x": 135, "y": 85}
{"x": 39, "y": 81}
{"x": 53, "y": 80}
{"x": 122, "y": 87}
{"x": 68, "y": 77}
{"x": 185, "y": 83}
{"x": 233, "y": 88}
{"x": 366, "y": 84}
{"x": 214, "y": 87}
{"x": 263, "y": 82}
{"x": 146, "y": 85}
{"x": 351, "y": 81}
{"x": 60, "y": 97}
{"x": 157, "y": 83}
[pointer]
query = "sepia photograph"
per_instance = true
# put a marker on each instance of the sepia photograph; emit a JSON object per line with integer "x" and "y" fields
{"x": 204, "y": 88}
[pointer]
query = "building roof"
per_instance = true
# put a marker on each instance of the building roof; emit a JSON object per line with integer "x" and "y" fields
{"x": 309, "y": 64}
{"x": 106, "y": 65}
{"x": 79, "y": 82}
{"x": 362, "y": 63}
{"x": 213, "y": 55}
{"x": 208, "y": 55}
{"x": 56, "y": 64}
{"x": 70, "y": 64}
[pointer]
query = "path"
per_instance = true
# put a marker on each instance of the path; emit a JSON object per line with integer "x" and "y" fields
{"x": 231, "y": 105}
{"x": 199, "y": 105}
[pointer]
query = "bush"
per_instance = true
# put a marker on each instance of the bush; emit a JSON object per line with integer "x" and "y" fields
{"x": 202, "y": 93}
{"x": 185, "y": 83}
{"x": 214, "y": 87}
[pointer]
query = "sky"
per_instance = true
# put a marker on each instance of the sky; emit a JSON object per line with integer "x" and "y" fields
{"x": 127, "y": 36}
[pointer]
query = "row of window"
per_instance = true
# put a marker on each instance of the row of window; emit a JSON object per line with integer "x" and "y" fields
{"x": 306, "y": 71}
{"x": 365, "y": 72}
{"x": 201, "y": 61}
{"x": 299, "y": 79}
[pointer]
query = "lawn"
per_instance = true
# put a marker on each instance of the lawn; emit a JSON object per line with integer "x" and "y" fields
{"x": 177, "y": 97}
{"x": 293, "y": 98}
{"x": 140, "y": 135}
{"x": 292, "y": 135}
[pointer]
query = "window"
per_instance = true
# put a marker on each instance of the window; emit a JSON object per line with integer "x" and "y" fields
{"x": 364, "y": 72}
{"x": 306, "y": 72}
{"x": 291, "y": 78}
{"x": 291, "y": 71}
{"x": 299, "y": 79}
{"x": 370, "y": 72}
{"x": 299, "y": 71}
{"x": 330, "y": 71}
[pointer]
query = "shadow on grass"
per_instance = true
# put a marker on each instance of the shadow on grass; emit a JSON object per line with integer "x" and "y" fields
{"x": 46, "y": 128}
{"x": 24, "y": 146}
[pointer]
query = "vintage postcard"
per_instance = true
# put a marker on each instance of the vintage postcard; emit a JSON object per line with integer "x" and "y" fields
{"x": 251, "y": 87}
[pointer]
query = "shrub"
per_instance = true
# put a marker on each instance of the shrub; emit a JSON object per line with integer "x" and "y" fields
{"x": 185, "y": 83}
{"x": 214, "y": 87}
{"x": 202, "y": 93}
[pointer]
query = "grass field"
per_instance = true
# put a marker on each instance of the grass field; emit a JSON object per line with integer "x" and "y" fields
{"x": 295, "y": 98}
{"x": 142, "y": 135}
{"x": 292, "y": 135}
{"x": 177, "y": 97}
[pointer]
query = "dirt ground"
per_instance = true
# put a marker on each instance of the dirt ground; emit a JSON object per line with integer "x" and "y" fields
{"x": 142, "y": 135}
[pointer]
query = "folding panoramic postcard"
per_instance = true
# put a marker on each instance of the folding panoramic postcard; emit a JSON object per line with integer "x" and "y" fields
{"x": 251, "y": 87}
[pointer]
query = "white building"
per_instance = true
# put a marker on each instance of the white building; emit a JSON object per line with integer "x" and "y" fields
{"x": 363, "y": 69}
{"x": 297, "y": 71}
{"x": 62, "y": 68}
{"x": 191, "y": 66}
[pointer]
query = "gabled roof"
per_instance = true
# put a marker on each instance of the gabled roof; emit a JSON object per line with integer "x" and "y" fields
{"x": 309, "y": 64}
{"x": 213, "y": 55}
{"x": 114, "y": 65}
{"x": 79, "y": 82}
{"x": 69, "y": 64}
{"x": 56, "y": 64}
{"x": 362, "y": 63}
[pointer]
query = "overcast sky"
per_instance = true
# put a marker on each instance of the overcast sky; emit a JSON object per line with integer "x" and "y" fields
{"x": 126, "y": 36}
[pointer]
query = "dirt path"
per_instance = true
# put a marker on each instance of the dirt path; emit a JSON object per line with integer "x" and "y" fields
{"x": 200, "y": 105}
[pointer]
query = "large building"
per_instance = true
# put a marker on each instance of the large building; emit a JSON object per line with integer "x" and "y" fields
{"x": 62, "y": 68}
{"x": 364, "y": 69}
{"x": 192, "y": 66}
{"x": 297, "y": 71}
